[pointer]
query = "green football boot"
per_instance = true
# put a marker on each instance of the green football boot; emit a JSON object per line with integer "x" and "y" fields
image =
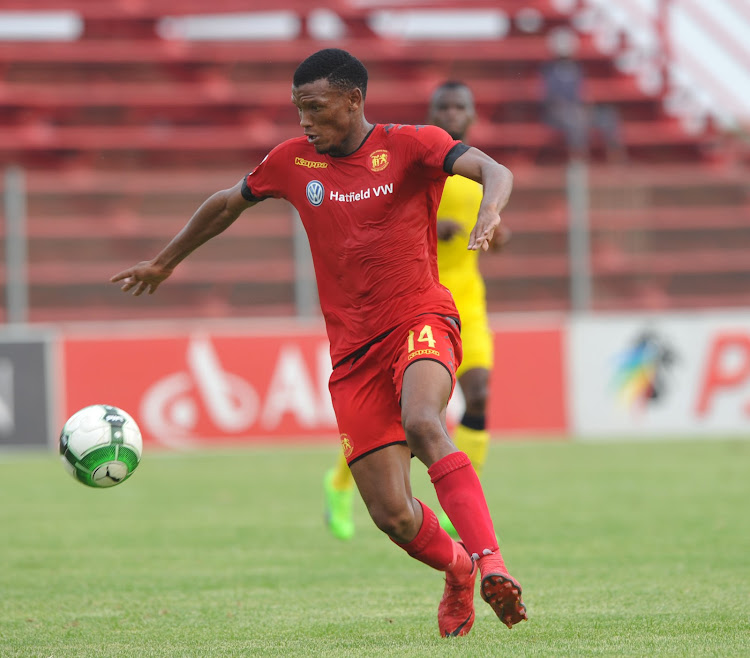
{"x": 338, "y": 509}
{"x": 445, "y": 524}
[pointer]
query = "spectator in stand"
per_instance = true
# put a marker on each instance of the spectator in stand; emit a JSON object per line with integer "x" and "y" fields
{"x": 565, "y": 107}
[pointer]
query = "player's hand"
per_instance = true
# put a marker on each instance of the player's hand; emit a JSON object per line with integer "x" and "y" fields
{"x": 484, "y": 230}
{"x": 145, "y": 276}
{"x": 447, "y": 228}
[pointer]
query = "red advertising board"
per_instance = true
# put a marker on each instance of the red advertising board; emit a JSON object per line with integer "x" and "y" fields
{"x": 527, "y": 387}
{"x": 200, "y": 387}
{"x": 205, "y": 388}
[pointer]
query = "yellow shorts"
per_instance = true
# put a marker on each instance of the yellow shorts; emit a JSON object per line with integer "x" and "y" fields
{"x": 476, "y": 337}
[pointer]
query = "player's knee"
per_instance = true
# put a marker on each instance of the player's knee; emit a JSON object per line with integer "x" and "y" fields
{"x": 396, "y": 521}
{"x": 421, "y": 429}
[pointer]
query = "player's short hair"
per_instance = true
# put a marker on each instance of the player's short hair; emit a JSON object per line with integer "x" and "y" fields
{"x": 342, "y": 70}
{"x": 450, "y": 85}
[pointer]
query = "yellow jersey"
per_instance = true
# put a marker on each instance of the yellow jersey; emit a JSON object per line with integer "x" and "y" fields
{"x": 458, "y": 266}
{"x": 459, "y": 271}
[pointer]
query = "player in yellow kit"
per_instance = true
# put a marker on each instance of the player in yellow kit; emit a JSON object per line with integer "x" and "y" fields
{"x": 451, "y": 108}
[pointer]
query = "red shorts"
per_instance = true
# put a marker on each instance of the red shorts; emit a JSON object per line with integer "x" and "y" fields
{"x": 366, "y": 389}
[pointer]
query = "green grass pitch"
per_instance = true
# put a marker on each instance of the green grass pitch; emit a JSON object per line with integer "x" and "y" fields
{"x": 623, "y": 549}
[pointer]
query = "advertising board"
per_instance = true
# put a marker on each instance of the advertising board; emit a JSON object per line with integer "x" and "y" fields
{"x": 681, "y": 374}
{"x": 188, "y": 388}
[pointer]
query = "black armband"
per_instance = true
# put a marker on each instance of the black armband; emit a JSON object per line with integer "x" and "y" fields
{"x": 247, "y": 193}
{"x": 454, "y": 154}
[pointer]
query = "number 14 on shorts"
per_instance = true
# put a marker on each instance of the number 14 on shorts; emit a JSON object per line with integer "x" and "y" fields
{"x": 426, "y": 338}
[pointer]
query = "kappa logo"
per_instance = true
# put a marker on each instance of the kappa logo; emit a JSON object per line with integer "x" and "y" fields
{"x": 310, "y": 164}
{"x": 379, "y": 159}
{"x": 315, "y": 192}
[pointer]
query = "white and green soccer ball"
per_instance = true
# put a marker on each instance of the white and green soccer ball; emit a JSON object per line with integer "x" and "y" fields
{"x": 101, "y": 445}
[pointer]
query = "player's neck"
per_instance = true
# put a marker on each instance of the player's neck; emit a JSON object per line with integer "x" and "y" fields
{"x": 354, "y": 142}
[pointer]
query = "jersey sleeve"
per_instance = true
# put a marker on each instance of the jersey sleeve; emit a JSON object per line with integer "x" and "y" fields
{"x": 435, "y": 148}
{"x": 267, "y": 179}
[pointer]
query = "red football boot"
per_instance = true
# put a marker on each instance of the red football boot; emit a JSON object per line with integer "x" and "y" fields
{"x": 456, "y": 609}
{"x": 500, "y": 590}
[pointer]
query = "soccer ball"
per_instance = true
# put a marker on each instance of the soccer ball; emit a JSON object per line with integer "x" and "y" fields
{"x": 101, "y": 445}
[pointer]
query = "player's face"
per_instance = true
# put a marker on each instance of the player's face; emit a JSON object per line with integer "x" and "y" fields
{"x": 453, "y": 111}
{"x": 327, "y": 115}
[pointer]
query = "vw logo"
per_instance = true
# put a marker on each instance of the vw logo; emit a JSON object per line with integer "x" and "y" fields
{"x": 315, "y": 192}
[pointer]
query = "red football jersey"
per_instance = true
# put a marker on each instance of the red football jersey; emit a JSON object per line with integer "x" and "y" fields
{"x": 370, "y": 218}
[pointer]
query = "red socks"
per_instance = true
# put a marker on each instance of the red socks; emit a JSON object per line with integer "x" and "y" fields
{"x": 462, "y": 498}
{"x": 432, "y": 545}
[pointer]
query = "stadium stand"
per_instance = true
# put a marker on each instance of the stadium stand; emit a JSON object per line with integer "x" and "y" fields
{"x": 123, "y": 133}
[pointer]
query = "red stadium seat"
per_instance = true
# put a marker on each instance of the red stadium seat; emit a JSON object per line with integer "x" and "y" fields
{"x": 123, "y": 135}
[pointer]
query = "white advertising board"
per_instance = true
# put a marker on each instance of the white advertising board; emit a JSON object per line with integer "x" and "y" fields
{"x": 658, "y": 375}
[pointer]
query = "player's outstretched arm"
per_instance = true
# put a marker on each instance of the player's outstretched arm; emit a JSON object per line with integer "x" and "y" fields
{"x": 214, "y": 215}
{"x": 497, "y": 182}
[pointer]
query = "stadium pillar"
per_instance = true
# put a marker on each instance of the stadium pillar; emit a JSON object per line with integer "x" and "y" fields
{"x": 16, "y": 280}
{"x": 305, "y": 288}
{"x": 579, "y": 247}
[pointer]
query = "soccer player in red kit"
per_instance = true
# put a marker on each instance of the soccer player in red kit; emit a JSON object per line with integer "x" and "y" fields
{"x": 368, "y": 196}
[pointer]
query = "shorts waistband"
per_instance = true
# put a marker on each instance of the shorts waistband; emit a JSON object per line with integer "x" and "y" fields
{"x": 361, "y": 351}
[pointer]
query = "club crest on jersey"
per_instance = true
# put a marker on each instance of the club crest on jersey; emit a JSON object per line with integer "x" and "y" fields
{"x": 315, "y": 192}
{"x": 346, "y": 445}
{"x": 379, "y": 159}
